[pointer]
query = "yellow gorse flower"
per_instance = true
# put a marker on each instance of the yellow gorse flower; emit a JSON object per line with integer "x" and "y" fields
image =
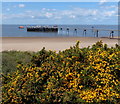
{"x": 87, "y": 75}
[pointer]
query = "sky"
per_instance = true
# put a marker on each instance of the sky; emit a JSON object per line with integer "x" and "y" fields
{"x": 60, "y": 0}
{"x": 101, "y": 12}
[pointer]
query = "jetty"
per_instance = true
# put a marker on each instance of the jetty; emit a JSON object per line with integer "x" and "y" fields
{"x": 95, "y": 32}
{"x": 84, "y": 31}
{"x": 43, "y": 28}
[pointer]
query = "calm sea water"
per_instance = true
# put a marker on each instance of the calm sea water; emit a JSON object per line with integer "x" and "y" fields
{"x": 14, "y": 31}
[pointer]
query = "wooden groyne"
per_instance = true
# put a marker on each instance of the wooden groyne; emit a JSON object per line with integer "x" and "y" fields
{"x": 43, "y": 28}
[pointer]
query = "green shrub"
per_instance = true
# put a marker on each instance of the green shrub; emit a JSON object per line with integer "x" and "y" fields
{"x": 74, "y": 76}
{"x": 10, "y": 59}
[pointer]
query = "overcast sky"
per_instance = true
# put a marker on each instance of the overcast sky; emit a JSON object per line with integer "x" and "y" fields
{"x": 101, "y": 12}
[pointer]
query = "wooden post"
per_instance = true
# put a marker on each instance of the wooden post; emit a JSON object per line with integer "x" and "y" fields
{"x": 97, "y": 32}
{"x": 61, "y": 32}
{"x": 61, "y": 29}
{"x": 111, "y": 34}
{"x": 92, "y": 29}
{"x": 75, "y": 31}
{"x": 84, "y": 32}
{"x": 68, "y": 31}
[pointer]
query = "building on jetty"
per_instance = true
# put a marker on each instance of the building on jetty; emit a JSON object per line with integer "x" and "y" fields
{"x": 43, "y": 28}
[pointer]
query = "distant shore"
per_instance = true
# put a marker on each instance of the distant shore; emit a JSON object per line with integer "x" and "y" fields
{"x": 50, "y": 43}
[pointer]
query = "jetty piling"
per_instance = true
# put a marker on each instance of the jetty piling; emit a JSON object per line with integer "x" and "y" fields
{"x": 84, "y": 32}
{"x": 97, "y": 33}
{"x": 111, "y": 34}
{"x": 92, "y": 29}
{"x": 75, "y": 32}
{"x": 67, "y": 31}
{"x": 60, "y": 28}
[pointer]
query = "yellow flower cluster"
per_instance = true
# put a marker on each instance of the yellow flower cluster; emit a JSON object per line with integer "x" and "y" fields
{"x": 87, "y": 75}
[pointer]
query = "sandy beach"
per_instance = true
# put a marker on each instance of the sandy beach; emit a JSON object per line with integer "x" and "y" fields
{"x": 50, "y": 43}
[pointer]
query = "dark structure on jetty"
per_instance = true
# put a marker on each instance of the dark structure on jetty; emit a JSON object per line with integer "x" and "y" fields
{"x": 43, "y": 29}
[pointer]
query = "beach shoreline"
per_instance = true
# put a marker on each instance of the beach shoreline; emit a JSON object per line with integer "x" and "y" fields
{"x": 50, "y": 43}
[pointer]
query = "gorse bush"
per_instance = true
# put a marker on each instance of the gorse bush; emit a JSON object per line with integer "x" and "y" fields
{"x": 87, "y": 75}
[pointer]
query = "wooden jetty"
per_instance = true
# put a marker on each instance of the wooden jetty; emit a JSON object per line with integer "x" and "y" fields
{"x": 43, "y": 28}
{"x": 94, "y": 31}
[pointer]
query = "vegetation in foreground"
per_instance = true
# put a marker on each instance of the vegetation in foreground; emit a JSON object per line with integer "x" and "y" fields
{"x": 86, "y": 76}
{"x": 10, "y": 59}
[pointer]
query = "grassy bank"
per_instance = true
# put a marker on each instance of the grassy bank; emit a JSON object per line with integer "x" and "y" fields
{"x": 10, "y": 59}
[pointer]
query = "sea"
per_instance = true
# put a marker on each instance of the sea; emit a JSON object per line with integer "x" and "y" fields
{"x": 74, "y": 31}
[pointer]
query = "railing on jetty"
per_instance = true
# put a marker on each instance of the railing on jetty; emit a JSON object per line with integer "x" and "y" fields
{"x": 43, "y": 28}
